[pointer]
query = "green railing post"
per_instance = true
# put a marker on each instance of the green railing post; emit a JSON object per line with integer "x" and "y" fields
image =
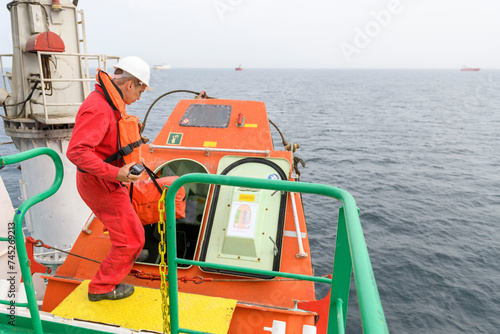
{"x": 341, "y": 278}
{"x": 172, "y": 262}
{"x": 340, "y": 315}
{"x": 370, "y": 306}
{"x": 18, "y": 229}
{"x": 372, "y": 314}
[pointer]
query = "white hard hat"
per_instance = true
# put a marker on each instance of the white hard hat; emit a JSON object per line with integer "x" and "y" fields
{"x": 136, "y": 67}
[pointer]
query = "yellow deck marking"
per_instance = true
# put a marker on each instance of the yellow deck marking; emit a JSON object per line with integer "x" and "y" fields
{"x": 250, "y": 125}
{"x": 210, "y": 144}
{"x": 142, "y": 310}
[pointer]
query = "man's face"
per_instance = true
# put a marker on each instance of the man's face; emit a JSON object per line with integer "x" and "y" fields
{"x": 132, "y": 91}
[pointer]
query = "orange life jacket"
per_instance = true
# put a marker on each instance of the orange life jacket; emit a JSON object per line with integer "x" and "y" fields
{"x": 129, "y": 136}
{"x": 145, "y": 195}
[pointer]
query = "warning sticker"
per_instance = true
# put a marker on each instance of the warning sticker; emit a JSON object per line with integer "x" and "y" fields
{"x": 210, "y": 144}
{"x": 247, "y": 198}
{"x": 243, "y": 219}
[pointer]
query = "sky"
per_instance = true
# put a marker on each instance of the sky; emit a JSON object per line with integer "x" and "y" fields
{"x": 292, "y": 34}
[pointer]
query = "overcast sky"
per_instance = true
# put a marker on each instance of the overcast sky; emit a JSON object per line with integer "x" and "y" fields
{"x": 292, "y": 33}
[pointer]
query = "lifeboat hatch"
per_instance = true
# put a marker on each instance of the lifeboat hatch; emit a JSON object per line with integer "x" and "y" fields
{"x": 245, "y": 226}
{"x": 188, "y": 228}
{"x": 206, "y": 116}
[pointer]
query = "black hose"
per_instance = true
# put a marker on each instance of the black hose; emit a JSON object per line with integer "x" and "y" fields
{"x": 22, "y": 102}
{"x": 283, "y": 140}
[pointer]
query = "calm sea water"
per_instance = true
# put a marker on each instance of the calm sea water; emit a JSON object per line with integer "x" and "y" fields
{"x": 420, "y": 152}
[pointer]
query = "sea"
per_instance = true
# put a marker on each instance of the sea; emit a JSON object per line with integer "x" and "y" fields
{"x": 420, "y": 152}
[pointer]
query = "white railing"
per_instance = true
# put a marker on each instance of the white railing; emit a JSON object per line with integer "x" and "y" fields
{"x": 102, "y": 62}
{"x": 208, "y": 150}
{"x": 2, "y": 70}
{"x": 99, "y": 61}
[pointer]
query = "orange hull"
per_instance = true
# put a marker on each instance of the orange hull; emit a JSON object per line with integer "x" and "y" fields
{"x": 260, "y": 301}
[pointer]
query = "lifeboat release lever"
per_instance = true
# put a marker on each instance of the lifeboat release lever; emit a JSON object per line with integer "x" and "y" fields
{"x": 241, "y": 120}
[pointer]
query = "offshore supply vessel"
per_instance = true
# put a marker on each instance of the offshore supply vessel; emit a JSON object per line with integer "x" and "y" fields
{"x": 238, "y": 262}
{"x": 469, "y": 69}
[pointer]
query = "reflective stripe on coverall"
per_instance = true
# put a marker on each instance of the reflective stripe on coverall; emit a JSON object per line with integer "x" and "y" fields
{"x": 94, "y": 138}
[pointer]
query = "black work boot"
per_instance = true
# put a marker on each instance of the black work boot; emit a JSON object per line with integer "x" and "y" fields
{"x": 143, "y": 256}
{"x": 121, "y": 291}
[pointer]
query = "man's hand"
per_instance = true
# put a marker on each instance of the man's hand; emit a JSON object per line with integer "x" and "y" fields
{"x": 125, "y": 176}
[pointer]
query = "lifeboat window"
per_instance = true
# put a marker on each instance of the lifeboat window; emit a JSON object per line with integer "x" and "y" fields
{"x": 207, "y": 116}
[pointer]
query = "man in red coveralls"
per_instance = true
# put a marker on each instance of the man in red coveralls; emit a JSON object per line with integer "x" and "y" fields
{"x": 93, "y": 140}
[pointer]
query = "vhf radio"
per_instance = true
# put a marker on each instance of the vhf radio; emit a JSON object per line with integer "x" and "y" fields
{"x": 136, "y": 169}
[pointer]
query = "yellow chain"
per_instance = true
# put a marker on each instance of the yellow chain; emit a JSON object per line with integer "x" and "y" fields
{"x": 162, "y": 248}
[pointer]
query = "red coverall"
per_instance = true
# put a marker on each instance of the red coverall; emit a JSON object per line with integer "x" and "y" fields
{"x": 94, "y": 139}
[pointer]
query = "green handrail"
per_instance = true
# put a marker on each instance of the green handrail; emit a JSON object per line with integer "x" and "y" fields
{"x": 18, "y": 218}
{"x": 350, "y": 244}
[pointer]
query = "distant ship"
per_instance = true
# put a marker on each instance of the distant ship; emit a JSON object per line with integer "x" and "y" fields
{"x": 162, "y": 67}
{"x": 465, "y": 68}
{"x": 239, "y": 68}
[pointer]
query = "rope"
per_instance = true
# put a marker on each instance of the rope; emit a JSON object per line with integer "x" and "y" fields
{"x": 39, "y": 243}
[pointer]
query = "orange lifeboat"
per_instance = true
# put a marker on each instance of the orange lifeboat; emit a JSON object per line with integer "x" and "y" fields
{"x": 229, "y": 225}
